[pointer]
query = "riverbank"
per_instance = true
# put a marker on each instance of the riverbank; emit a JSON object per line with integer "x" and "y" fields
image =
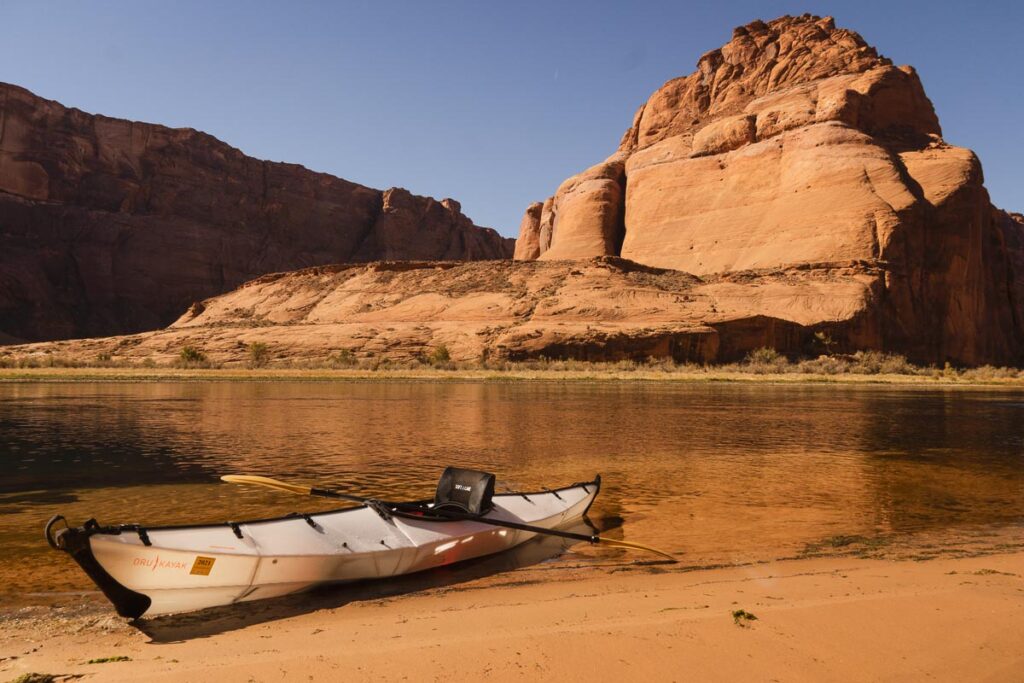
{"x": 427, "y": 373}
{"x": 821, "y": 619}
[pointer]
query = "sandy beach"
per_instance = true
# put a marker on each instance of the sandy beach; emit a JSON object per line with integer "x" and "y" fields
{"x": 820, "y": 619}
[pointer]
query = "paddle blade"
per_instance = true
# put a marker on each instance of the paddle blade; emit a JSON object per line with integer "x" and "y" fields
{"x": 255, "y": 480}
{"x": 635, "y": 546}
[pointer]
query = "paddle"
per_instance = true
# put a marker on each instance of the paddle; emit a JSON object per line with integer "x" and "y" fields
{"x": 397, "y": 510}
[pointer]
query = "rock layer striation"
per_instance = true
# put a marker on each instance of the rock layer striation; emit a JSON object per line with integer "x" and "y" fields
{"x": 110, "y": 226}
{"x": 604, "y": 308}
{"x": 797, "y": 144}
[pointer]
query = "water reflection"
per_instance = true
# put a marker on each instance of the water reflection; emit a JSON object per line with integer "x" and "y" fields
{"x": 719, "y": 472}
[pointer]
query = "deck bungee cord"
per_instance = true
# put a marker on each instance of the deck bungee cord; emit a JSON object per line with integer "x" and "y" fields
{"x": 414, "y": 511}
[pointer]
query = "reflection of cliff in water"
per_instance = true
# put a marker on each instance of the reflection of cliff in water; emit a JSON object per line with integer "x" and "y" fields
{"x": 55, "y": 437}
{"x": 714, "y": 472}
{"x": 721, "y": 455}
{"x": 945, "y": 458}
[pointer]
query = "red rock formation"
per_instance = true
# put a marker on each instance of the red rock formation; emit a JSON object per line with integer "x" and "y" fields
{"x": 605, "y": 308}
{"x": 797, "y": 144}
{"x": 110, "y": 226}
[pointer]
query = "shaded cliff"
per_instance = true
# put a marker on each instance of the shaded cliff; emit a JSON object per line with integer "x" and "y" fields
{"x": 795, "y": 144}
{"x": 110, "y": 226}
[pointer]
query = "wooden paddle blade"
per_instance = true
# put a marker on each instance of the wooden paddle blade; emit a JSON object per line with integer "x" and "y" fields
{"x": 635, "y": 546}
{"x": 268, "y": 482}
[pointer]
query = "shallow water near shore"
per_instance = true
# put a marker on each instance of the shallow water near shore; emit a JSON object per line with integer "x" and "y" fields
{"x": 718, "y": 473}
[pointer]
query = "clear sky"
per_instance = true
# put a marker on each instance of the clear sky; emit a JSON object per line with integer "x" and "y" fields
{"x": 492, "y": 103}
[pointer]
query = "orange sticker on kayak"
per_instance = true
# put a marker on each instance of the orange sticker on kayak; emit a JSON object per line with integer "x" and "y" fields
{"x": 202, "y": 566}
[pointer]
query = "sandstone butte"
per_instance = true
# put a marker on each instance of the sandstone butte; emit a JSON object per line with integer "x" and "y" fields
{"x": 797, "y": 150}
{"x": 796, "y": 183}
{"x": 110, "y": 226}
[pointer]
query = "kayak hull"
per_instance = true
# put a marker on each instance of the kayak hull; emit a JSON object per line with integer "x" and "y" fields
{"x": 164, "y": 570}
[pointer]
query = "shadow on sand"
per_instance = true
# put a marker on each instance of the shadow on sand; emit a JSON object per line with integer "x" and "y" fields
{"x": 209, "y": 622}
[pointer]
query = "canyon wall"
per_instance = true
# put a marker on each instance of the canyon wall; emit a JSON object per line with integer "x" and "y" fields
{"x": 110, "y": 226}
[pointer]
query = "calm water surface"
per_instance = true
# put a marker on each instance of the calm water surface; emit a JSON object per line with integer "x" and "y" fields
{"x": 716, "y": 472}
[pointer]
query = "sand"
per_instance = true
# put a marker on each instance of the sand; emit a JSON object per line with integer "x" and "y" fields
{"x": 821, "y": 619}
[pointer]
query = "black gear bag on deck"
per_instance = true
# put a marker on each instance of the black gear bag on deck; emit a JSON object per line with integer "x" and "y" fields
{"x": 467, "y": 491}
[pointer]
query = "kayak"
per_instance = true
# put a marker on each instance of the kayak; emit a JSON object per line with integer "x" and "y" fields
{"x": 150, "y": 571}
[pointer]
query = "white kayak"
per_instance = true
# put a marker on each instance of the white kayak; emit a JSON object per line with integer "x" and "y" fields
{"x": 161, "y": 570}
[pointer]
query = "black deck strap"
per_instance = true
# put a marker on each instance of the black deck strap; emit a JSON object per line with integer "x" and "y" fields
{"x": 585, "y": 489}
{"x": 143, "y": 535}
{"x": 554, "y": 493}
{"x": 305, "y": 516}
{"x": 380, "y": 507}
{"x": 234, "y": 527}
{"x": 527, "y": 498}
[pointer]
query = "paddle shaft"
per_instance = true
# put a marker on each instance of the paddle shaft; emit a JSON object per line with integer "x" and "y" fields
{"x": 327, "y": 493}
{"x": 413, "y": 513}
{"x": 590, "y": 538}
{"x": 399, "y": 510}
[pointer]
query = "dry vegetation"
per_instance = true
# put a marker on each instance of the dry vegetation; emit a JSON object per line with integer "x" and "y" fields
{"x": 761, "y": 365}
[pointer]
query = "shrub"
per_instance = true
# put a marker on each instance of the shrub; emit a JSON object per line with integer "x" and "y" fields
{"x": 343, "y": 358}
{"x": 824, "y": 365}
{"x": 259, "y": 354}
{"x": 825, "y": 341}
{"x": 763, "y": 356}
{"x": 191, "y": 357}
{"x": 876, "y": 362}
{"x": 988, "y": 372}
{"x": 54, "y": 361}
{"x": 440, "y": 355}
{"x": 766, "y": 360}
{"x": 895, "y": 364}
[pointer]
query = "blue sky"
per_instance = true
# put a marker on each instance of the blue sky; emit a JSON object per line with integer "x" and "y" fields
{"x": 493, "y": 103}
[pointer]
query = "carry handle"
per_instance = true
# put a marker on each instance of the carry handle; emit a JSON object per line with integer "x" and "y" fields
{"x": 49, "y": 526}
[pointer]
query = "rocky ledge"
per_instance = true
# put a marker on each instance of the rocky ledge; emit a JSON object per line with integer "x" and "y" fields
{"x": 605, "y": 308}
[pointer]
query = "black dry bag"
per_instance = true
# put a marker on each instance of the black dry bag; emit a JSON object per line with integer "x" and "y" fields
{"x": 465, "y": 490}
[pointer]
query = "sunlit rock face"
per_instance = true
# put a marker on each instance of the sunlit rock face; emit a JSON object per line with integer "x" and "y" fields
{"x": 110, "y": 226}
{"x": 796, "y": 145}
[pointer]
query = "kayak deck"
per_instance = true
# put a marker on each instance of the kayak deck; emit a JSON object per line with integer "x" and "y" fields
{"x": 162, "y": 570}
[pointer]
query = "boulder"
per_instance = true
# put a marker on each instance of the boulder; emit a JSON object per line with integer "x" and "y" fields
{"x": 528, "y": 244}
{"x": 586, "y": 214}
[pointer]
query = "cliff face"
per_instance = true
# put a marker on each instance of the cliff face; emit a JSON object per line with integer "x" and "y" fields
{"x": 796, "y": 145}
{"x": 110, "y": 226}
